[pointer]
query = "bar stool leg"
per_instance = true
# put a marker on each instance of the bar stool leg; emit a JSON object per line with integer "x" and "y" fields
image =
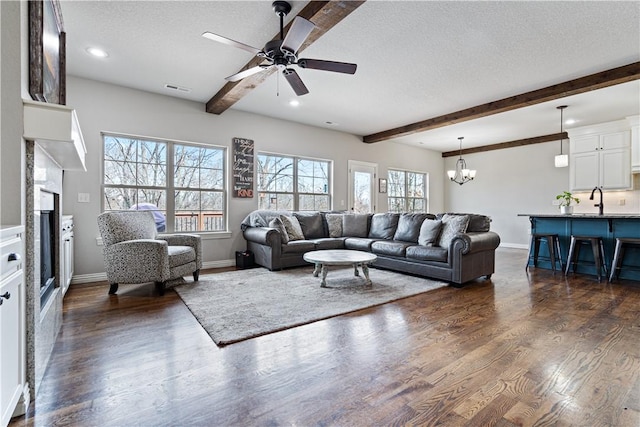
{"x": 526, "y": 266}
{"x": 617, "y": 259}
{"x": 604, "y": 259}
{"x": 571, "y": 257}
{"x": 595, "y": 248}
{"x": 552, "y": 255}
{"x": 557, "y": 242}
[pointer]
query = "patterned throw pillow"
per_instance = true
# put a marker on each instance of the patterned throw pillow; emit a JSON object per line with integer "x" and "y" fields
{"x": 292, "y": 225}
{"x": 429, "y": 232}
{"x": 278, "y": 225}
{"x": 452, "y": 225}
{"x": 334, "y": 222}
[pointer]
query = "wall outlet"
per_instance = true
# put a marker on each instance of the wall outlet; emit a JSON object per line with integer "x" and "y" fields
{"x": 555, "y": 202}
{"x": 342, "y": 203}
{"x": 621, "y": 202}
{"x": 84, "y": 197}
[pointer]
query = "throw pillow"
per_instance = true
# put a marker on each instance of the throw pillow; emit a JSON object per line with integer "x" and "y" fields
{"x": 383, "y": 225}
{"x": 278, "y": 225}
{"x": 334, "y": 222}
{"x": 452, "y": 225}
{"x": 291, "y": 224}
{"x": 429, "y": 232}
{"x": 409, "y": 227}
{"x": 311, "y": 224}
{"x": 355, "y": 225}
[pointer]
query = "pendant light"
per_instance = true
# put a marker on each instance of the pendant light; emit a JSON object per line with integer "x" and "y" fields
{"x": 461, "y": 174}
{"x": 561, "y": 160}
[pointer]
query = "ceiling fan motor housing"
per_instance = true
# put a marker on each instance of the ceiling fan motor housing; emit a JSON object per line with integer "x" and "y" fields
{"x": 281, "y": 8}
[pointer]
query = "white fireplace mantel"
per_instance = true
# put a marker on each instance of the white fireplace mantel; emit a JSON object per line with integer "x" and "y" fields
{"x": 56, "y": 129}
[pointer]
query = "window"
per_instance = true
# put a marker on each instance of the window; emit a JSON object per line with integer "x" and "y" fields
{"x": 407, "y": 191}
{"x": 293, "y": 183}
{"x": 192, "y": 198}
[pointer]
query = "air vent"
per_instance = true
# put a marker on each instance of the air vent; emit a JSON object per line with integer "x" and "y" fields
{"x": 178, "y": 88}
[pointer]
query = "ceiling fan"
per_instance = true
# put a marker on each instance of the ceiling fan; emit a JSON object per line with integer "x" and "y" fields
{"x": 283, "y": 53}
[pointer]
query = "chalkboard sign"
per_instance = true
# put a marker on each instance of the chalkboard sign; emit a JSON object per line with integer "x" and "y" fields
{"x": 242, "y": 167}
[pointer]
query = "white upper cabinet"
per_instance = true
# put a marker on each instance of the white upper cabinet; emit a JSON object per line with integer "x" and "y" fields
{"x": 600, "y": 156}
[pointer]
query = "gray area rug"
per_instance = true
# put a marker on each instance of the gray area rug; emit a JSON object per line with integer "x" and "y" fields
{"x": 237, "y": 305}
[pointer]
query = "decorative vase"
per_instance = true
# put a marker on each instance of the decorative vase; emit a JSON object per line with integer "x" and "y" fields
{"x": 566, "y": 210}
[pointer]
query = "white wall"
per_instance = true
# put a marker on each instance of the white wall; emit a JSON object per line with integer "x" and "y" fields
{"x": 522, "y": 180}
{"x": 103, "y": 107}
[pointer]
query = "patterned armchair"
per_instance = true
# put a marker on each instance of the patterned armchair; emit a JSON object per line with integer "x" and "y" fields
{"x": 135, "y": 253}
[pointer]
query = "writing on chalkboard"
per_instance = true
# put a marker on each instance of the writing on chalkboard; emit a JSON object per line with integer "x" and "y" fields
{"x": 242, "y": 169}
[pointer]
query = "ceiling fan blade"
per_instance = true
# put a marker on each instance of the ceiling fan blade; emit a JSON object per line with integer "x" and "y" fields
{"x": 319, "y": 64}
{"x": 230, "y": 42}
{"x": 246, "y": 73}
{"x": 298, "y": 33}
{"x": 294, "y": 80}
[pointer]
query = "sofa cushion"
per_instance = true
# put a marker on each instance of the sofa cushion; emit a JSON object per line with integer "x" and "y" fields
{"x": 476, "y": 222}
{"x": 180, "y": 255}
{"x": 298, "y": 246}
{"x": 311, "y": 224}
{"x": 291, "y": 224}
{"x": 278, "y": 225}
{"x": 383, "y": 225}
{"x": 355, "y": 225}
{"x": 429, "y": 232}
{"x": 359, "y": 243}
{"x": 409, "y": 226}
{"x": 390, "y": 247}
{"x": 427, "y": 253}
{"x": 329, "y": 243}
{"x": 334, "y": 224}
{"x": 452, "y": 225}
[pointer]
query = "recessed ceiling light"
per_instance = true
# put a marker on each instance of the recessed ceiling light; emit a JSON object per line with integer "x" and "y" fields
{"x": 332, "y": 123}
{"x": 97, "y": 52}
{"x": 294, "y": 102}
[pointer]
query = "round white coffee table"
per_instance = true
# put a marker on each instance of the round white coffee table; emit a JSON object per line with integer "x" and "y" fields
{"x": 323, "y": 259}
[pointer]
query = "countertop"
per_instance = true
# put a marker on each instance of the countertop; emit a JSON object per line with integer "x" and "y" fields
{"x": 586, "y": 216}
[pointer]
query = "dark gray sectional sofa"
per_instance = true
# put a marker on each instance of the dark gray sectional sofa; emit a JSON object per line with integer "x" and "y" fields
{"x": 453, "y": 247}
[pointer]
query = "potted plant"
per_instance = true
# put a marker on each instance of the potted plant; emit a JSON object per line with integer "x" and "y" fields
{"x": 565, "y": 202}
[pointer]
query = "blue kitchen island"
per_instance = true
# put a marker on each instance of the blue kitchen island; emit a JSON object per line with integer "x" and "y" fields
{"x": 607, "y": 226}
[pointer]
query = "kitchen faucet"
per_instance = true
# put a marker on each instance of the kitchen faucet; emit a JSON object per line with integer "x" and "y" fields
{"x": 600, "y": 205}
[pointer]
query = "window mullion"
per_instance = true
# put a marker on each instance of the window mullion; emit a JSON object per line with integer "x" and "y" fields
{"x": 170, "y": 189}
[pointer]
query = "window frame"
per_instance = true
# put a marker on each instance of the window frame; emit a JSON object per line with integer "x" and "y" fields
{"x": 406, "y": 196}
{"x": 170, "y": 188}
{"x": 295, "y": 194}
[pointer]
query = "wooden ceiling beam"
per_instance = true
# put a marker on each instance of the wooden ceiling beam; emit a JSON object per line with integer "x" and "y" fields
{"x": 588, "y": 83}
{"x": 502, "y": 145}
{"x": 324, "y": 14}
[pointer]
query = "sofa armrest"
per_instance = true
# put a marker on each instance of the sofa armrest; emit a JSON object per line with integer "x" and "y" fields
{"x": 263, "y": 236}
{"x": 476, "y": 241}
{"x": 192, "y": 240}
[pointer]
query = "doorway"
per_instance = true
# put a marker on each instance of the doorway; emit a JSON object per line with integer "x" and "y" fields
{"x": 362, "y": 179}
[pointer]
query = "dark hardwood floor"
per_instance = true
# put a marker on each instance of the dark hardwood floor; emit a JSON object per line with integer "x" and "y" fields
{"x": 522, "y": 349}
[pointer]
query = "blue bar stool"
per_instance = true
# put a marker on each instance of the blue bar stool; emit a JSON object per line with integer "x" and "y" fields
{"x": 553, "y": 245}
{"x": 621, "y": 244}
{"x": 597, "y": 247}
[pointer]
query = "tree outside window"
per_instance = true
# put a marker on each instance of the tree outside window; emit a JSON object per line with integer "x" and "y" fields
{"x": 407, "y": 191}
{"x": 193, "y": 198}
{"x": 292, "y": 183}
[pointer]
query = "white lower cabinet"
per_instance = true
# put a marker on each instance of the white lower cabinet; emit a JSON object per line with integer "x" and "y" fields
{"x": 14, "y": 395}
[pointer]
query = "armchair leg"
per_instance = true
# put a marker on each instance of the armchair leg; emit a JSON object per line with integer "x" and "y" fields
{"x": 196, "y": 275}
{"x": 160, "y": 288}
{"x": 113, "y": 288}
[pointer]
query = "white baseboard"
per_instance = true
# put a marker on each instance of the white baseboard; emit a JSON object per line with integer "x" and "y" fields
{"x": 101, "y": 277}
{"x": 514, "y": 246}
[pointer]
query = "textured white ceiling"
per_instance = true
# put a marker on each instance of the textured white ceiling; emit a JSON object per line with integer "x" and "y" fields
{"x": 416, "y": 60}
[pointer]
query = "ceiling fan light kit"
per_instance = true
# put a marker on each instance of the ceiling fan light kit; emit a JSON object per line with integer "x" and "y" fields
{"x": 283, "y": 53}
{"x": 462, "y": 173}
{"x": 561, "y": 160}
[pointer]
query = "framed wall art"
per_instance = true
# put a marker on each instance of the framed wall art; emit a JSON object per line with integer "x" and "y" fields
{"x": 47, "y": 47}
